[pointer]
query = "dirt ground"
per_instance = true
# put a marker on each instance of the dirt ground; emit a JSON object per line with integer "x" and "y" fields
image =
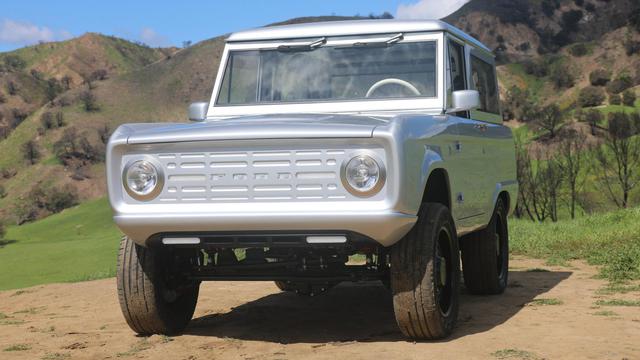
{"x": 236, "y": 320}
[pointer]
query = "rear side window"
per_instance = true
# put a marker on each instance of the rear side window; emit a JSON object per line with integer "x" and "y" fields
{"x": 483, "y": 77}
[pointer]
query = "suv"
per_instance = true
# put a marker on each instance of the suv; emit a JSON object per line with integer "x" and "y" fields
{"x": 329, "y": 152}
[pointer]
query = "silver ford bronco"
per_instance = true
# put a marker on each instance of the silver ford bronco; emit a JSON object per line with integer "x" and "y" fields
{"x": 328, "y": 152}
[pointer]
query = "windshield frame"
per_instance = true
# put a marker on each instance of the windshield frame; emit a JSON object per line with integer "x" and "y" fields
{"x": 337, "y": 106}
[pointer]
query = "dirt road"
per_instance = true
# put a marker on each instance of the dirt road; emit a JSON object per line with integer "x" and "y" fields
{"x": 544, "y": 314}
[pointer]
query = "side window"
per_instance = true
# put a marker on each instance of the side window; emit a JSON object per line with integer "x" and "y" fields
{"x": 244, "y": 67}
{"x": 456, "y": 66}
{"x": 457, "y": 71}
{"x": 483, "y": 77}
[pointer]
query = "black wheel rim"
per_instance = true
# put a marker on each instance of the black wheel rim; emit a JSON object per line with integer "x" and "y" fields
{"x": 444, "y": 275}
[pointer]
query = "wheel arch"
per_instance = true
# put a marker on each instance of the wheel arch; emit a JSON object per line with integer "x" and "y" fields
{"x": 437, "y": 188}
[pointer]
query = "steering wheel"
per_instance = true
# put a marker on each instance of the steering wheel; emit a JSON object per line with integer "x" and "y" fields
{"x": 388, "y": 81}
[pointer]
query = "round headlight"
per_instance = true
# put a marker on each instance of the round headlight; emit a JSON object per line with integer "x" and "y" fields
{"x": 142, "y": 180}
{"x": 362, "y": 175}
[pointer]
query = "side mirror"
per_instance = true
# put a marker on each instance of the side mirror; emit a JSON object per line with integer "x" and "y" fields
{"x": 198, "y": 111}
{"x": 464, "y": 100}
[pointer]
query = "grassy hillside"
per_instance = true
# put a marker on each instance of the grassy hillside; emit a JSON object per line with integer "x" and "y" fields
{"x": 80, "y": 56}
{"x": 610, "y": 240}
{"x": 77, "y": 244}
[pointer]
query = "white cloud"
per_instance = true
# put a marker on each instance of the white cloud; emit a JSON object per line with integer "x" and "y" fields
{"x": 23, "y": 33}
{"x": 428, "y": 9}
{"x": 152, "y": 38}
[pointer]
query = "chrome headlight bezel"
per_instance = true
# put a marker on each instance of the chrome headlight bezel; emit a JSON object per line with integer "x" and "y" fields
{"x": 382, "y": 172}
{"x": 157, "y": 189}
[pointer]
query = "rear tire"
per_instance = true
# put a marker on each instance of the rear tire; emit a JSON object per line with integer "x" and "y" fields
{"x": 425, "y": 276}
{"x": 148, "y": 304}
{"x": 485, "y": 256}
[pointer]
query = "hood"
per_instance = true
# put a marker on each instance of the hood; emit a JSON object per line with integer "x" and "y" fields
{"x": 258, "y": 127}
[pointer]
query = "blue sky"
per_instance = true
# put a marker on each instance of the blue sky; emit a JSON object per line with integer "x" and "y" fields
{"x": 164, "y": 23}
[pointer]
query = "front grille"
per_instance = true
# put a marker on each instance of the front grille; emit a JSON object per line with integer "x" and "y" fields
{"x": 253, "y": 176}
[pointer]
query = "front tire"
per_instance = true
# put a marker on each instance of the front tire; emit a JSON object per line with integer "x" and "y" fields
{"x": 485, "y": 256}
{"x": 425, "y": 276}
{"x": 149, "y": 304}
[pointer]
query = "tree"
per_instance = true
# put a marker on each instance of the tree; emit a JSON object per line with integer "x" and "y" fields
{"x": 53, "y": 89}
{"x": 590, "y": 96}
{"x": 539, "y": 179}
{"x": 186, "y": 44}
{"x": 570, "y": 163}
{"x": 549, "y": 118}
{"x": 66, "y": 82}
{"x": 12, "y": 88}
{"x": 599, "y": 77}
{"x": 98, "y": 75}
{"x": 618, "y": 159}
{"x": 593, "y": 117}
{"x": 615, "y": 99}
{"x": 14, "y": 62}
{"x": 104, "y": 133}
{"x": 620, "y": 84}
{"x": 562, "y": 77}
{"x": 60, "y": 119}
{"x": 629, "y": 97}
{"x": 31, "y": 151}
{"x": 89, "y": 101}
{"x": 47, "y": 121}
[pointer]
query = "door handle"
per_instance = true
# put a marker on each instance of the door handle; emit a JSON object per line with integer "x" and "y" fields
{"x": 480, "y": 127}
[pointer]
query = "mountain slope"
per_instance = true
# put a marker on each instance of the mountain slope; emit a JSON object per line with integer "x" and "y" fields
{"x": 519, "y": 29}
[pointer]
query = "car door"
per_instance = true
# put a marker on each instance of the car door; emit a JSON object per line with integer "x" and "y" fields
{"x": 485, "y": 126}
{"x": 466, "y": 166}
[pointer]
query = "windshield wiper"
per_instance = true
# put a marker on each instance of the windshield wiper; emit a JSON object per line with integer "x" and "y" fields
{"x": 384, "y": 43}
{"x": 304, "y": 47}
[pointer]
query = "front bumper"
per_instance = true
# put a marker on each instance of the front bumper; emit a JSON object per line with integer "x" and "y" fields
{"x": 385, "y": 227}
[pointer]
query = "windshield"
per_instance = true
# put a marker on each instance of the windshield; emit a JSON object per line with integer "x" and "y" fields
{"x": 330, "y": 73}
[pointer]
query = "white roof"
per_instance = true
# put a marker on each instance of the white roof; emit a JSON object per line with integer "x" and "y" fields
{"x": 350, "y": 27}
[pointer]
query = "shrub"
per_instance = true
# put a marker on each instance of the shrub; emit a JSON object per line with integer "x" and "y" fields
{"x": 36, "y": 74}
{"x": 628, "y": 97}
{"x": 634, "y": 19}
{"x": 45, "y": 200}
{"x": 53, "y": 89}
{"x": 578, "y": 50}
{"x": 60, "y": 119}
{"x": 12, "y": 88}
{"x": 590, "y": 7}
{"x": 100, "y": 74}
{"x": 615, "y": 99}
{"x": 31, "y": 151}
{"x": 3, "y": 99}
{"x": 2, "y": 230}
{"x": 599, "y": 77}
{"x": 8, "y": 173}
{"x": 571, "y": 18}
{"x": 537, "y": 68}
{"x": 591, "y": 96}
{"x": 3, "y": 193}
{"x": 89, "y": 101}
{"x": 72, "y": 147}
{"x": 47, "y": 121}
{"x": 14, "y": 62}
{"x": 562, "y": 77}
{"x": 622, "y": 83}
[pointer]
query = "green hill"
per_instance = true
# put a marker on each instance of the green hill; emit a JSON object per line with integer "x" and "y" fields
{"x": 77, "y": 244}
